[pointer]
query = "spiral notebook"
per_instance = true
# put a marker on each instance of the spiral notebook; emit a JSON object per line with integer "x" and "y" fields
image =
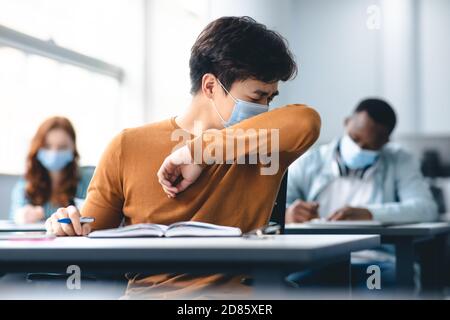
{"x": 178, "y": 229}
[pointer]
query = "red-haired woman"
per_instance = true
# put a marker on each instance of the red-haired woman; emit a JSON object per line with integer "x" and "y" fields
{"x": 53, "y": 178}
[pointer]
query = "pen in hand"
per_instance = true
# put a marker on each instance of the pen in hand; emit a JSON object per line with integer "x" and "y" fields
{"x": 82, "y": 220}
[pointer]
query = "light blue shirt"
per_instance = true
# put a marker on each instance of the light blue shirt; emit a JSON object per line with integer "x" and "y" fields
{"x": 400, "y": 193}
{"x": 19, "y": 199}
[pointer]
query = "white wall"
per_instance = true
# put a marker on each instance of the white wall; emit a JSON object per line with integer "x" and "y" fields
{"x": 435, "y": 66}
{"x": 338, "y": 59}
{"x": 34, "y": 88}
{"x": 172, "y": 27}
{"x": 399, "y": 63}
{"x": 337, "y": 54}
{"x": 406, "y": 61}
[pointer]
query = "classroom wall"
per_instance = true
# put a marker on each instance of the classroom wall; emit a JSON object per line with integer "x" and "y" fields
{"x": 171, "y": 29}
{"x": 342, "y": 60}
{"x": 338, "y": 58}
{"x": 338, "y": 55}
{"x": 399, "y": 62}
{"x": 435, "y": 65}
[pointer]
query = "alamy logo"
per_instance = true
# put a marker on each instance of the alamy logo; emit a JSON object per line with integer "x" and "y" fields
{"x": 225, "y": 146}
{"x": 374, "y": 280}
{"x": 373, "y": 21}
{"x": 73, "y": 282}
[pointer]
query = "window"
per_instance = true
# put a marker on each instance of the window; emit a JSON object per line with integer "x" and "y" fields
{"x": 36, "y": 86}
{"x": 173, "y": 27}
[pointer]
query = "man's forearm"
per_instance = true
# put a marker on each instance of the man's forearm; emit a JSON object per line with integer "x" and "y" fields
{"x": 291, "y": 130}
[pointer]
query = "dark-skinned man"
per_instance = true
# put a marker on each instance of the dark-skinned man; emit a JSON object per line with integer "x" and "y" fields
{"x": 360, "y": 176}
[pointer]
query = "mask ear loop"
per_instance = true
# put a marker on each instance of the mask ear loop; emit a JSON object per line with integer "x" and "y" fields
{"x": 217, "y": 111}
{"x": 228, "y": 92}
{"x": 224, "y": 123}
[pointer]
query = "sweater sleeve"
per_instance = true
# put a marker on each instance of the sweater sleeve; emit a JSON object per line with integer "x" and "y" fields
{"x": 105, "y": 198}
{"x": 286, "y": 132}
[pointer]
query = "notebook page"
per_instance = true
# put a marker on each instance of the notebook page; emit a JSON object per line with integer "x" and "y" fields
{"x": 131, "y": 231}
{"x": 201, "y": 229}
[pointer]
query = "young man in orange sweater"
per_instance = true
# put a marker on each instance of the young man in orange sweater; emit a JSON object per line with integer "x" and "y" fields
{"x": 147, "y": 175}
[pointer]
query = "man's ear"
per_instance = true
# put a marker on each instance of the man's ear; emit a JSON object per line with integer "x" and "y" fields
{"x": 208, "y": 85}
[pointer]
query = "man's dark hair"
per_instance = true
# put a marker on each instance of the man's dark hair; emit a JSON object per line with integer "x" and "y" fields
{"x": 380, "y": 112}
{"x": 239, "y": 48}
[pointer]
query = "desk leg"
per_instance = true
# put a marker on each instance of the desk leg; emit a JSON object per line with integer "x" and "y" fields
{"x": 404, "y": 265}
{"x": 339, "y": 279}
{"x": 330, "y": 281}
{"x": 268, "y": 283}
{"x": 431, "y": 259}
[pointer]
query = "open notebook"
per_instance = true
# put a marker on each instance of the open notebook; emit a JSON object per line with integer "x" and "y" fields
{"x": 178, "y": 229}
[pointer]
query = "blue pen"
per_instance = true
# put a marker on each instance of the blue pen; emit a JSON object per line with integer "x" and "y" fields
{"x": 82, "y": 220}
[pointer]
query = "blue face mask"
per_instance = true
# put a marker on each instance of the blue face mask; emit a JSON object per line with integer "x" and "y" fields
{"x": 242, "y": 110}
{"x": 54, "y": 160}
{"x": 354, "y": 156}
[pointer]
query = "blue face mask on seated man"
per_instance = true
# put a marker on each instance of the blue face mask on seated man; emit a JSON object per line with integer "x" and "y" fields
{"x": 354, "y": 156}
{"x": 242, "y": 110}
{"x": 55, "y": 160}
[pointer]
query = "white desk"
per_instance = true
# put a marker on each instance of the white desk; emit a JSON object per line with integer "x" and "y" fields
{"x": 282, "y": 248}
{"x": 426, "y": 229}
{"x": 267, "y": 259}
{"x": 10, "y": 226}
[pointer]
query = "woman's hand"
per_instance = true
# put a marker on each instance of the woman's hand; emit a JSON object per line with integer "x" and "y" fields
{"x": 178, "y": 172}
{"x": 30, "y": 214}
{"x": 63, "y": 229}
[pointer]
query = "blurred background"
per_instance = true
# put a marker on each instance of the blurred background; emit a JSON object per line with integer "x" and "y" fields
{"x": 112, "y": 64}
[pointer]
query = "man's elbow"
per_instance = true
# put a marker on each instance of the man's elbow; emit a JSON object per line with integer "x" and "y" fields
{"x": 427, "y": 211}
{"x": 305, "y": 123}
{"x": 432, "y": 211}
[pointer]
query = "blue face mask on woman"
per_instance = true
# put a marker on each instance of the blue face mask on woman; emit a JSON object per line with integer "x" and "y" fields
{"x": 354, "y": 156}
{"x": 55, "y": 160}
{"x": 242, "y": 110}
